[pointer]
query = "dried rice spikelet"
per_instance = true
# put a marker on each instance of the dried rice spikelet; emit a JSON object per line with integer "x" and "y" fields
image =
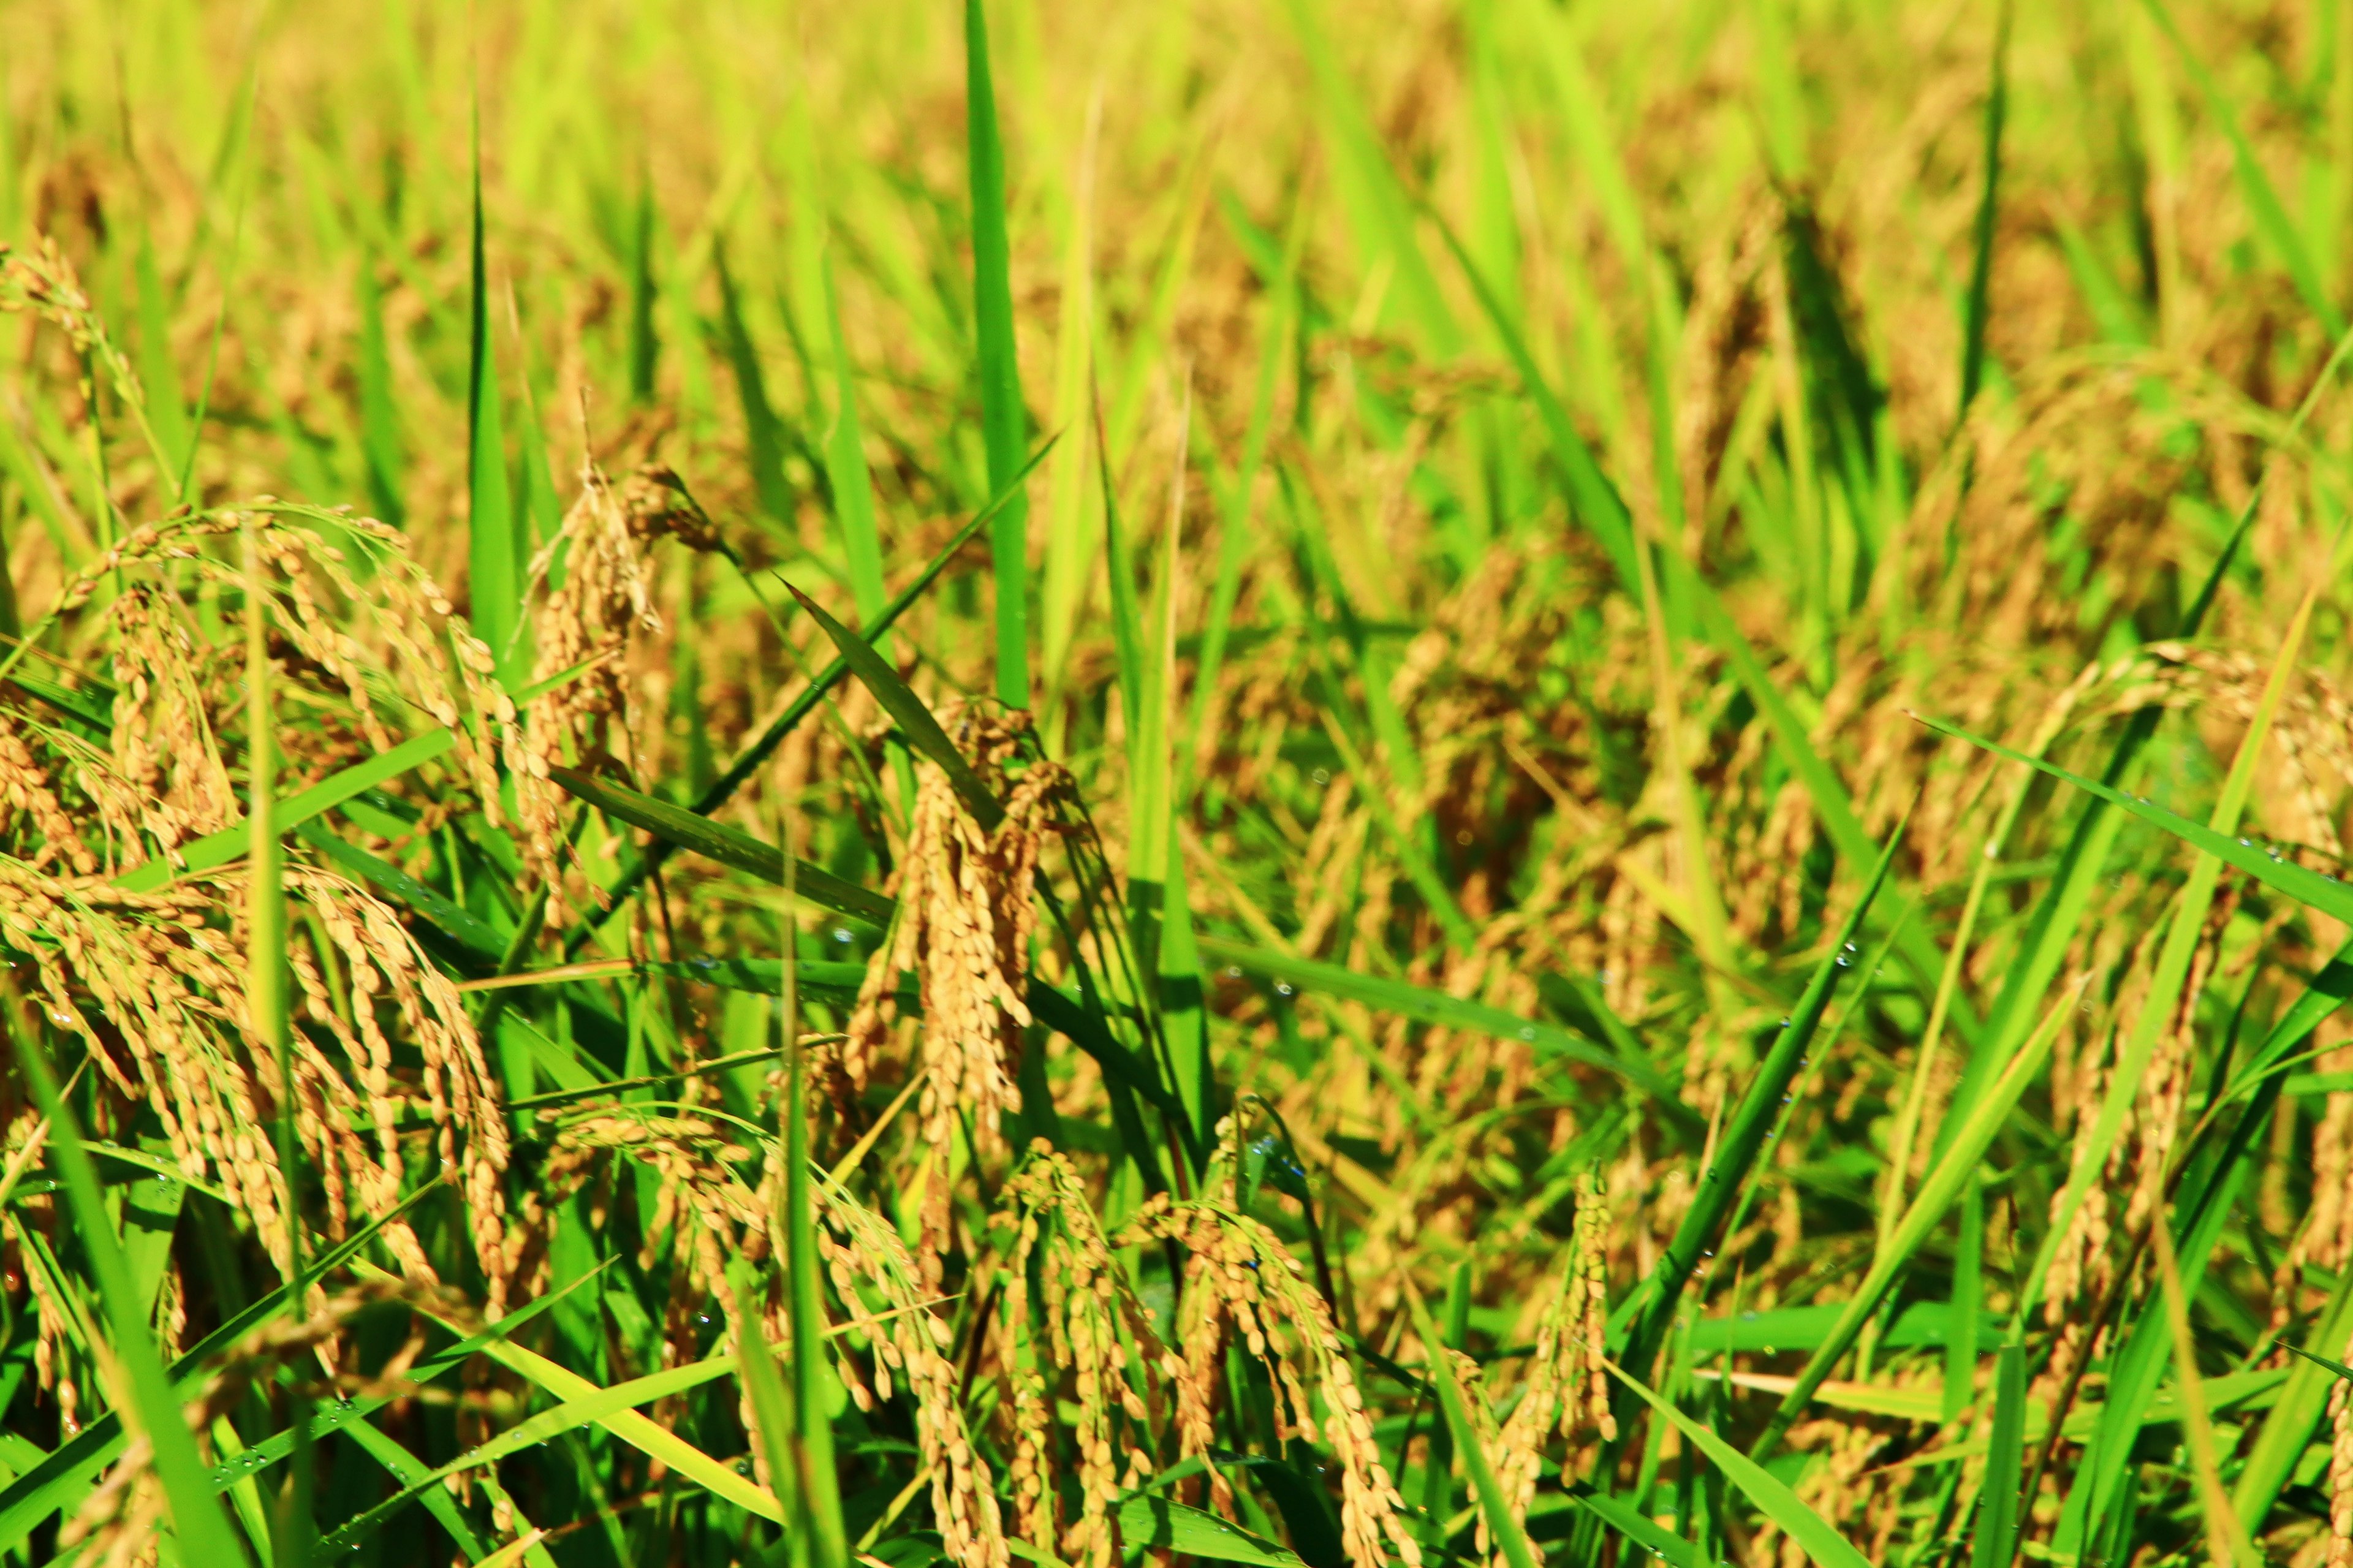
{"x": 1238, "y": 1277}
{"x": 966, "y": 911}
{"x": 155, "y": 982}
{"x": 419, "y": 652}
{"x": 26, "y": 789}
{"x": 155, "y": 988}
{"x": 709, "y": 1214}
{"x": 601, "y": 600}
{"x": 43, "y": 284}
{"x": 163, "y": 747}
{"x": 1568, "y": 1387}
{"x": 1096, "y": 1329}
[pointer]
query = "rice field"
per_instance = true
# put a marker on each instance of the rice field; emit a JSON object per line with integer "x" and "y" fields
{"x": 1474, "y": 784}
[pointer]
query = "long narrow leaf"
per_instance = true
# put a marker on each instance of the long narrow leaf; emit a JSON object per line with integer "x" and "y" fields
{"x": 1722, "y": 1182}
{"x": 1510, "y": 1536}
{"x": 1954, "y": 1169}
{"x": 1001, "y": 414}
{"x": 1429, "y": 1006}
{"x": 914, "y": 719}
{"x": 219, "y": 849}
{"x": 1813, "y": 1535}
{"x": 719, "y": 842}
{"x": 2284, "y": 877}
{"x": 204, "y": 1532}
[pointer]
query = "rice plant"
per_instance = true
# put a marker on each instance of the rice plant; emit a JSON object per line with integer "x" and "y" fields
{"x": 1480, "y": 784}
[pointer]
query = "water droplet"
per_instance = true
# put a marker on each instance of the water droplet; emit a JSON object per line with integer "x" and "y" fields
{"x": 1321, "y": 775}
{"x": 1527, "y": 1032}
{"x": 1785, "y": 1023}
{"x": 1785, "y": 1100}
{"x": 1282, "y": 988}
{"x": 842, "y": 933}
{"x": 2246, "y": 843}
{"x": 1233, "y": 971}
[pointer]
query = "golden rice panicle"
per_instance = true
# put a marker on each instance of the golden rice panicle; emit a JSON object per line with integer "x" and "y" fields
{"x": 416, "y": 645}
{"x": 168, "y": 985}
{"x": 2340, "y": 1471}
{"x": 1567, "y": 1387}
{"x": 163, "y": 744}
{"x": 966, "y": 911}
{"x": 864, "y": 1253}
{"x": 707, "y": 1213}
{"x": 27, "y": 787}
{"x": 1093, "y": 1328}
{"x": 600, "y": 603}
{"x": 43, "y": 284}
{"x": 1240, "y": 1278}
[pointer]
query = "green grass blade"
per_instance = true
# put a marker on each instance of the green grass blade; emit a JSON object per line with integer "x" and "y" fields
{"x": 589, "y": 1407}
{"x": 159, "y": 377}
{"x": 469, "y": 930}
{"x": 916, "y": 722}
{"x": 728, "y": 846}
{"x": 407, "y": 1470}
{"x": 1591, "y": 494}
{"x": 753, "y": 757}
{"x": 845, "y": 470}
{"x": 2286, "y": 877}
{"x": 817, "y": 1479}
{"x": 772, "y": 1416}
{"x": 1162, "y": 1525}
{"x": 1379, "y": 209}
{"x": 1429, "y": 1006}
{"x": 1002, "y": 415}
{"x": 645, "y": 344}
{"x": 2174, "y": 957}
{"x": 617, "y": 1416}
{"x": 380, "y": 441}
{"x": 203, "y": 1530}
{"x": 349, "y": 1413}
{"x": 2226, "y": 1542}
{"x": 1967, "y": 1307}
{"x": 2135, "y": 1370}
{"x": 1995, "y": 1538}
{"x": 494, "y": 571}
{"x": 1832, "y": 804}
{"x": 1511, "y": 1537}
{"x": 219, "y": 849}
{"x": 1954, "y": 1169}
{"x": 1813, "y": 1535}
{"x": 266, "y": 1008}
{"x": 2288, "y": 1431}
{"x": 61, "y": 1479}
{"x": 1652, "y": 1307}
{"x": 1980, "y": 306}
{"x": 1630, "y": 1521}
{"x": 760, "y": 430}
